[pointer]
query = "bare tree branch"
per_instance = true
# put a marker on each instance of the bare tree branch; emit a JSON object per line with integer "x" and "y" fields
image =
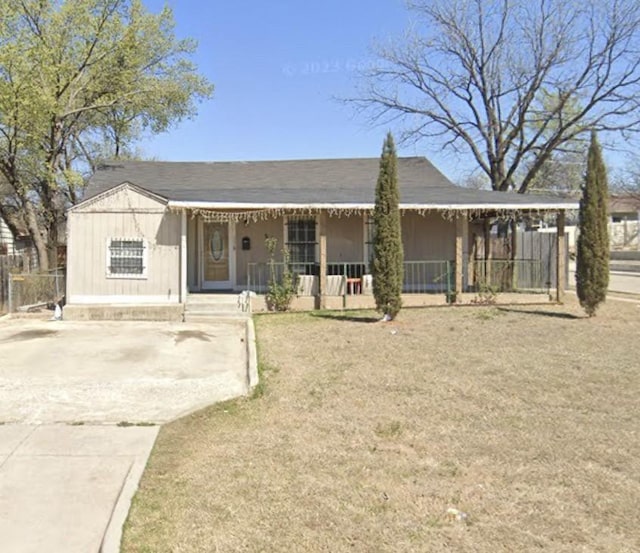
{"x": 478, "y": 76}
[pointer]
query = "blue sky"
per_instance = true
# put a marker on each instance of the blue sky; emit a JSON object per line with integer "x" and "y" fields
{"x": 277, "y": 67}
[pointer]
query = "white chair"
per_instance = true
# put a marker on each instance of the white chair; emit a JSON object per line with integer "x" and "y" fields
{"x": 367, "y": 284}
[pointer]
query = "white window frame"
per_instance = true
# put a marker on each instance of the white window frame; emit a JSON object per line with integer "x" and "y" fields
{"x": 145, "y": 263}
{"x": 285, "y": 234}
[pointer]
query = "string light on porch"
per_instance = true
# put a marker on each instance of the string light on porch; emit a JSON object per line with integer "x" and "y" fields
{"x": 256, "y": 215}
{"x": 263, "y": 214}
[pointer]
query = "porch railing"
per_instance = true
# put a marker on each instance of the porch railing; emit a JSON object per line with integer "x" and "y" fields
{"x": 422, "y": 277}
{"x": 348, "y": 277}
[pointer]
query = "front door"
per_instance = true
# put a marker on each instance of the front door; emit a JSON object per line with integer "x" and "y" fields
{"x": 217, "y": 256}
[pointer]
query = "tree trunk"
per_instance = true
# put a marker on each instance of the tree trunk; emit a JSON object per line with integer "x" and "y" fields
{"x": 52, "y": 245}
{"x": 36, "y": 236}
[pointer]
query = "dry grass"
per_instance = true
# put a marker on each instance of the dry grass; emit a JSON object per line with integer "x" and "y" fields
{"x": 525, "y": 419}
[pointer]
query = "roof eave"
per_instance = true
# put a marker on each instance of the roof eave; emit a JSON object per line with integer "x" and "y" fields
{"x": 535, "y": 206}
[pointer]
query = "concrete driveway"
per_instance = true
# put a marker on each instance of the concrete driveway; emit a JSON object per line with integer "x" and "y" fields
{"x": 79, "y": 408}
{"x": 111, "y": 372}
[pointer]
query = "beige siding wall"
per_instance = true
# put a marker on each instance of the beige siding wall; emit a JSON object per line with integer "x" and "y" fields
{"x": 257, "y": 234}
{"x": 344, "y": 242}
{"x": 428, "y": 238}
{"x": 345, "y": 239}
{"x": 126, "y": 214}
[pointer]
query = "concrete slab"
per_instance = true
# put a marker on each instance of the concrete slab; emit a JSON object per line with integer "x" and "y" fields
{"x": 117, "y": 371}
{"x": 11, "y": 436}
{"x": 67, "y": 489}
{"x": 87, "y": 441}
{"x": 84, "y": 491}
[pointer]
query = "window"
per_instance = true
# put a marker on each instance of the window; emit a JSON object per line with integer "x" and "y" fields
{"x": 126, "y": 258}
{"x": 301, "y": 243}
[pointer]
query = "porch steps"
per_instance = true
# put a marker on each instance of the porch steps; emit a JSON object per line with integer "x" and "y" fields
{"x": 206, "y": 307}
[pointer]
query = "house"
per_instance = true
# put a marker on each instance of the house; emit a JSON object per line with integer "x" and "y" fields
{"x": 624, "y": 221}
{"x": 624, "y": 207}
{"x": 151, "y": 234}
{"x": 14, "y": 237}
{"x": 6, "y": 239}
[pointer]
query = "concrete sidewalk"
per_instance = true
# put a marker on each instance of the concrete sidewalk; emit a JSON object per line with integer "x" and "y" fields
{"x": 67, "y": 470}
{"x": 624, "y": 282}
{"x": 67, "y": 489}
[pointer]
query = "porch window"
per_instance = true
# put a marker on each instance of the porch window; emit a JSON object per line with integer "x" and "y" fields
{"x": 301, "y": 243}
{"x": 126, "y": 258}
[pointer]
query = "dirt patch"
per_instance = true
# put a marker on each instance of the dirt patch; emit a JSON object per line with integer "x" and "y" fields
{"x": 182, "y": 335}
{"x": 472, "y": 429}
{"x": 138, "y": 354}
{"x": 33, "y": 334}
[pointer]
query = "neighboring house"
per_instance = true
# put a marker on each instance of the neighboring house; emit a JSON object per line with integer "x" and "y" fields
{"x": 624, "y": 207}
{"x": 6, "y": 239}
{"x": 19, "y": 243}
{"x": 151, "y": 233}
{"x": 624, "y": 221}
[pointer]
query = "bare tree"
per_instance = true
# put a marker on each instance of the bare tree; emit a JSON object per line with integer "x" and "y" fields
{"x": 510, "y": 81}
{"x": 627, "y": 183}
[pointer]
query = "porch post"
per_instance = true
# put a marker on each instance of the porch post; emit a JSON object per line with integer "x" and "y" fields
{"x": 487, "y": 252}
{"x": 561, "y": 268}
{"x": 466, "y": 253}
{"x": 513, "y": 284}
{"x": 322, "y": 284}
{"x": 461, "y": 232}
{"x": 183, "y": 256}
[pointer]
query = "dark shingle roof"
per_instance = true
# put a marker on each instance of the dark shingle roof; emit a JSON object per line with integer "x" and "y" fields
{"x": 300, "y": 182}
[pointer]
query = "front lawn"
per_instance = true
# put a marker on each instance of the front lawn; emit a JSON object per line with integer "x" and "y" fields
{"x": 453, "y": 429}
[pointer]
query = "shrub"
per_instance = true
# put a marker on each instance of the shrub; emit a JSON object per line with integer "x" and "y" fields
{"x": 282, "y": 288}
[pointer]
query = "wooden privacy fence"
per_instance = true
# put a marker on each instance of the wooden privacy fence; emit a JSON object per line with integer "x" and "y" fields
{"x": 532, "y": 267}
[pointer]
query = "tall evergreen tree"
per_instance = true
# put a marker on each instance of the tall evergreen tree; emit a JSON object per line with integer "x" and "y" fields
{"x": 592, "y": 271}
{"x": 387, "y": 244}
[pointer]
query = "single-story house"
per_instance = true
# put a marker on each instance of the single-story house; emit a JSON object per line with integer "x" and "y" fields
{"x": 624, "y": 221}
{"x": 624, "y": 207}
{"x": 153, "y": 234}
{"x": 14, "y": 238}
{"x": 6, "y": 238}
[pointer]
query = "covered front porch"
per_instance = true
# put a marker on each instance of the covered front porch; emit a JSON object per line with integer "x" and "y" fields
{"x": 450, "y": 257}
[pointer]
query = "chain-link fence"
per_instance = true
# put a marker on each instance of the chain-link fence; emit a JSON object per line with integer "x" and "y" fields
{"x": 8, "y": 264}
{"x": 35, "y": 290}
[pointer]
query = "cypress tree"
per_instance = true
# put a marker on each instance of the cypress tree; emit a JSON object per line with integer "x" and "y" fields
{"x": 387, "y": 242}
{"x": 592, "y": 270}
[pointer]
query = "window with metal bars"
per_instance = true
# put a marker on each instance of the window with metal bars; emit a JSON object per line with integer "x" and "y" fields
{"x": 126, "y": 258}
{"x": 301, "y": 242}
